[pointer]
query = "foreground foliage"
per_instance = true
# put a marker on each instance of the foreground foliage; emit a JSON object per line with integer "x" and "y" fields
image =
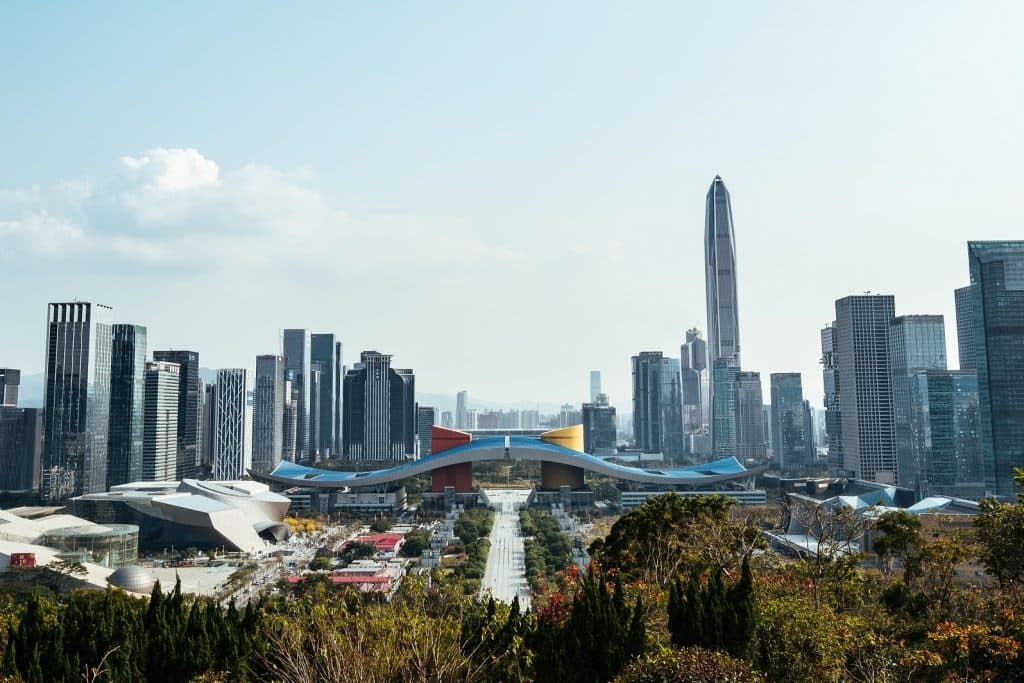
{"x": 718, "y": 610}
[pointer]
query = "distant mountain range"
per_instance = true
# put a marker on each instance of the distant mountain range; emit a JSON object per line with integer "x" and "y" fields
{"x": 30, "y": 395}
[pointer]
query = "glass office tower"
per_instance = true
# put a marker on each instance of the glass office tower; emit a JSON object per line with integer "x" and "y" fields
{"x": 997, "y": 288}
{"x": 76, "y": 405}
{"x": 127, "y": 403}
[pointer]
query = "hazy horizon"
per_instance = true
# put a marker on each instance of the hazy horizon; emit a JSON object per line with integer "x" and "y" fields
{"x": 504, "y": 198}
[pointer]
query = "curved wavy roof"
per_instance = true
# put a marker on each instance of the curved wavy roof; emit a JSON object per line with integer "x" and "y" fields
{"x": 498, "y": 448}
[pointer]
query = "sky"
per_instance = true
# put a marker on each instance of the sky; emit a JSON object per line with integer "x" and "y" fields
{"x": 505, "y": 196}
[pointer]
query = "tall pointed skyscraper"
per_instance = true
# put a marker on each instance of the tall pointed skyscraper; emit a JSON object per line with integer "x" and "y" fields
{"x": 720, "y": 276}
{"x": 720, "y": 285}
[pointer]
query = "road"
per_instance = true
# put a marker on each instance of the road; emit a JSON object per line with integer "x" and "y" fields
{"x": 505, "y": 575}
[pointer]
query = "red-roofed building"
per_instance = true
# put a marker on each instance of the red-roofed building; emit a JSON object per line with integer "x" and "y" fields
{"x": 383, "y": 543}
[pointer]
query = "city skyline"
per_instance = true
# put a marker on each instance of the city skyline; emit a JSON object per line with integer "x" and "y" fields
{"x": 130, "y": 201}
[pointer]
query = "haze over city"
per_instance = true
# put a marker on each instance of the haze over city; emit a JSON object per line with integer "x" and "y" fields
{"x": 538, "y": 175}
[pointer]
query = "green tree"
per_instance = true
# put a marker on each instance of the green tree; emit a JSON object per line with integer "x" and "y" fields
{"x": 416, "y": 541}
{"x": 898, "y": 537}
{"x": 670, "y": 534}
{"x": 999, "y": 531}
{"x": 689, "y": 665}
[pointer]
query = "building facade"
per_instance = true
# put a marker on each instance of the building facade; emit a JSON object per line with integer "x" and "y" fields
{"x": 830, "y": 381}
{"x": 160, "y": 441}
{"x": 595, "y": 384}
{"x": 425, "y": 420}
{"x": 750, "y": 432}
{"x": 657, "y": 404}
{"x": 21, "y": 448}
{"x": 10, "y": 380}
{"x": 379, "y": 410}
{"x": 268, "y": 413}
{"x": 916, "y": 343}
{"x": 190, "y": 399}
{"x": 693, "y": 363}
{"x": 232, "y": 450}
{"x": 865, "y": 386}
{"x": 965, "y": 328}
{"x": 462, "y": 410}
{"x": 599, "y": 428}
{"x": 326, "y": 350}
{"x": 723, "y": 409}
{"x": 76, "y": 404}
{"x": 127, "y": 404}
{"x": 297, "y": 351}
{"x": 997, "y": 313}
{"x": 790, "y": 423}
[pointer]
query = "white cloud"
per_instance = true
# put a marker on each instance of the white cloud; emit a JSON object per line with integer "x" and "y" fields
{"x": 175, "y": 208}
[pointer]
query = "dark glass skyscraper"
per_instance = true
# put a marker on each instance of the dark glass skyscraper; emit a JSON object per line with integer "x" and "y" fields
{"x": 657, "y": 404}
{"x": 190, "y": 408}
{"x": 790, "y": 426}
{"x": 379, "y": 406}
{"x": 599, "y": 435}
{"x": 997, "y": 286}
{"x": 127, "y": 404}
{"x": 326, "y": 350}
{"x": 76, "y": 405}
{"x": 297, "y": 359}
{"x": 21, "y": 446}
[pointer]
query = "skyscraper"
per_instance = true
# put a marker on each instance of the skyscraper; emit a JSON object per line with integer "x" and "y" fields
{"x": 76, "y": 410}
{"x": 425, "y": 417}
{"x": 865, "y": 386}
{"x": 21, "y": 437}
{"x": 291, "y": 417}
{"x": 127, "y": 404}
{"x": 379, "y": 410}
{"x": 720, "y": 276}
{"x": 694, "y": 370}
{"x": 750, "y": 444}
{"x": 952, "y": 418}
{"x": 232, "y": 451}
{"x": 595, "y": 384}
{"x": 599, "y": 433}
{"x": 462, "y": 410}
{"x": 997, "y": 307}
{"x": 833, "y": 419}
{"x": 190, "y": 406}
{"x": 160, "y": 450}
{"x": 10, "y": 379}
{"x": 723, "y": 409}
{"x": 657, "y": 404}
{"x": 21, "y": 447}
{"x": 268, "y": 413}
{"x": 297, "y": 359}
{"x": 790, "y": 425}
{"x": 916, "y": 343}
{"x": 326, "y": 350}
{"x": 965, "y": 328}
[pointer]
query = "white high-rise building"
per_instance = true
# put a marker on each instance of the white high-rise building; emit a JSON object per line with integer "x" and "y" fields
{"x": 232, "y": 452}
{"x": 160, "y": 434}
{"x": 462, "y": 410}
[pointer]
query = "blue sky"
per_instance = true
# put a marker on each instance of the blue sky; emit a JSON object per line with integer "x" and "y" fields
{"x": 503, "y": 195}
